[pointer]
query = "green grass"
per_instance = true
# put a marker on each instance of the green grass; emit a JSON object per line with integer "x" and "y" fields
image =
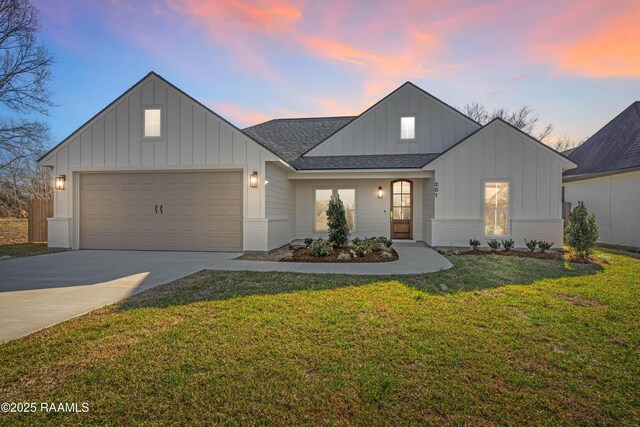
{"x": 493, "y": 341}
{"x": 23, "y": 249}
{"x": 13, "y": 239}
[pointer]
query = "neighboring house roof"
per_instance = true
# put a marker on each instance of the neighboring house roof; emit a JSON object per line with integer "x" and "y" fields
{"x": 569, "y": 151}
{"x": 290, "y": 138}
{"x": 615, "y": 147}
{"x": 373, "y": 161}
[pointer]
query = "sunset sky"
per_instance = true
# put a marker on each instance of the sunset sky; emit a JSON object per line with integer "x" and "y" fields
{"x": 577, "y": 63}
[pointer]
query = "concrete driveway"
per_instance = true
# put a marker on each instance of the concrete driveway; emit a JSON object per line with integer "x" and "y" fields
{"x": 40, "y": 291}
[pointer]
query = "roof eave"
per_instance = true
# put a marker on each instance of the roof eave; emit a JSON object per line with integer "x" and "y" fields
{"x": 581, "y": 177}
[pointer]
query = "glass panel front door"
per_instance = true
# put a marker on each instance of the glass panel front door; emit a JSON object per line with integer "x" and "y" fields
{"x": 401, "y": 209}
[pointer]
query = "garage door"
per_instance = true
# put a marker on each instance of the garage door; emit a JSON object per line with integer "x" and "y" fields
{"x": 195, "y": 211}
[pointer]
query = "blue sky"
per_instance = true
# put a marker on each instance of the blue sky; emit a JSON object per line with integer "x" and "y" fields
{"x": 577, "y": 65}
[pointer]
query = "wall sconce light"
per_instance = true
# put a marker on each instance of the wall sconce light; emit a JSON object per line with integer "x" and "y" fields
{"x": 253, "y": 180}
{"x": 380, "y": 192}
{"x": 59, "y": 182}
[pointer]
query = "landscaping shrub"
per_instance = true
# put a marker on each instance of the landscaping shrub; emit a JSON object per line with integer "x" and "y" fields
{"x": 493, "y": 244}
{"x": 582, "y": 232}
{"x": 320, "y": 247}
{"x": 308, "y": 241}
{"x": 344, "y": 256}
{"x": 384, "y": 241}
{"x": 544, "y": 246}
{"x": 474, "y": 243}
{"x": 387, "y": 254}
{"x": 337, "y": 220}
{"x": 531, "y": 244}
{"x": 508, "y": 244}
{"x": 365, "y": 246}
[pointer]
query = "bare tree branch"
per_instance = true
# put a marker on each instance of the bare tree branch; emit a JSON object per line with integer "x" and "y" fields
{"x": 565, "y": 143}
{"x": 523, "y": 118}
{"x": 25, "y": 71}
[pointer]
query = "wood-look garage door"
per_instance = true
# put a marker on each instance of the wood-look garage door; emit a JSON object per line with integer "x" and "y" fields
{"x": 194, "y": 211}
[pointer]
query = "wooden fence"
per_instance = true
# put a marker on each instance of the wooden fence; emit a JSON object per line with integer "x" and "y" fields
{"x": 39, "y": 211}
{"x": 566, "y": 211}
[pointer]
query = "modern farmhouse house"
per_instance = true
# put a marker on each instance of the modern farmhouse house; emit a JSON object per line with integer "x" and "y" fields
{"x": 156, "y": 169}
{"x": 607, "y": 178}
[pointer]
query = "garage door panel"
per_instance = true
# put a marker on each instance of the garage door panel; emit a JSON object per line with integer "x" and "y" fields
{"x": 215, "y": 178}
{"x": 233, "y": 178}
{"x": 200, "y": 211}
{"x": 230, "y": 195}
{"x": 233, "y": 226}
{"x": 233, "y": 242}
{"x": 232, "y": 210}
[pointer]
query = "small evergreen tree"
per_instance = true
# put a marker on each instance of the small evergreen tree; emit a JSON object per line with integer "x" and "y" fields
{"x": 582, "y": 232}
{"x": 337, "y": 219}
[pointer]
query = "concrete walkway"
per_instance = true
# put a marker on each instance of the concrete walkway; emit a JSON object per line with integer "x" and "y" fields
{"x": 413, "y": 258}
{"x": 40, "y": 291}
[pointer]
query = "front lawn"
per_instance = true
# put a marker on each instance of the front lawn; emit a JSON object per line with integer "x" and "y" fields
{"x": 493, "y": 341}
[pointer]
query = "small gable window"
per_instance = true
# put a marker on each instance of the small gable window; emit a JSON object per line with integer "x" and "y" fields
{"x": 152, "y": 125}
{"x": 407, "y": 128}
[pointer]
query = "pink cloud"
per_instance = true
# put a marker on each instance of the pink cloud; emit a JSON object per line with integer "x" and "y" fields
{"x": 321, "y": 30}
{"x": 597, "y": 39}
{"x": 239, "y": 115}
{"x": 242, "y": 26}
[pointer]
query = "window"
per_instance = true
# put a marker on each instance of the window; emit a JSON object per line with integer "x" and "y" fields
{"x": 152, "y": 123}
{"x": 348, "y": 198}
{"x": 496, "y": 208}
{"x": 322, "y": 198}
{"x": 322, "y": 203}
{"x": 407, "y": 127}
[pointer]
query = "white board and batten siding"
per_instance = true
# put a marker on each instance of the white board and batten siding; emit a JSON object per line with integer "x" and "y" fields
{"x": 377, "y": 131}
{"x": 615, "y": 200}
{"x": 428, "y": 209}
{"x": 280, "y": 202}
{"x": 372, "y": 216}
{"x": 192, "y": 138}
{"x": 498, "y": 153}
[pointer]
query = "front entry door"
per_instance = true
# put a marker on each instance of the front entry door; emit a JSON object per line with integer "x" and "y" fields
{"x": 401, "y": 209}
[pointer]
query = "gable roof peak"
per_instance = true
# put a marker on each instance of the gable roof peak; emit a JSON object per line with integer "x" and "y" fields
{"x": 128, "y": 91}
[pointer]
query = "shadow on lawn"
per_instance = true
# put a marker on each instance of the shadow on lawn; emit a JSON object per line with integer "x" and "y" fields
{"x": 469, "y": 273}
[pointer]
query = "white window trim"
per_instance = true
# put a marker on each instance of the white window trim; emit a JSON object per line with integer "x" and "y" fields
{"x": 162, "y": 123}
{"x": 509, "y": 206}
{"x": 415, "y": 127}
{"x": 334, "y": 192}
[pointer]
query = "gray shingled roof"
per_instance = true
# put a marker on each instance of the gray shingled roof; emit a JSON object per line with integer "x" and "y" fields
{"x": 616, "y": 146}
{"x": 373, "y": 161}
{"x": 291, "y": 138}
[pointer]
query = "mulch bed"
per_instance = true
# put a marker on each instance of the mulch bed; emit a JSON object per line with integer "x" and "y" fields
{"x": 302, "y": 255}
{"x": 555, "y": 255}
{"x": 276, "y": 255}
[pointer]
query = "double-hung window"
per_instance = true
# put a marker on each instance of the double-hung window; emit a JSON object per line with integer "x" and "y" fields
{"x": 496, "y": 208}
{"x": 321, "y": 203}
